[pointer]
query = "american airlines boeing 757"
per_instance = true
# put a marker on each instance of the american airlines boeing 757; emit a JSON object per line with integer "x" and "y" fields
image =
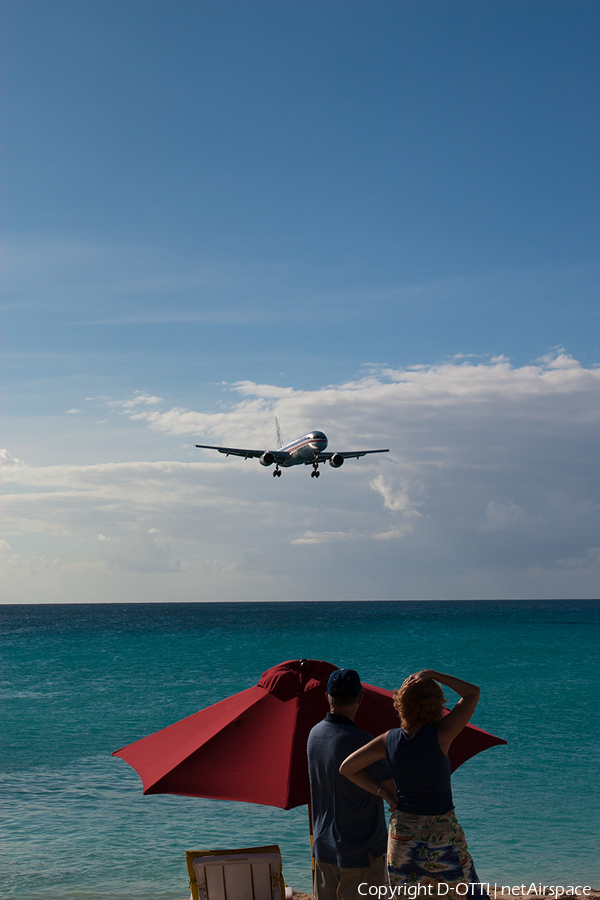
{"x": 308, "y": 450}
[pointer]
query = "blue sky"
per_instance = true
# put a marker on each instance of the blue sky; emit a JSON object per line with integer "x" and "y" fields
{"x": 375, "y": 218}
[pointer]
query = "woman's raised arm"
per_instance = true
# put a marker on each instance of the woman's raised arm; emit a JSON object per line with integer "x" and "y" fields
{"x": 454, "y": 722}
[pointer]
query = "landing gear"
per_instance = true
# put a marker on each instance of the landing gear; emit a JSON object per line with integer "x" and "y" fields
{"x": 315, "y": 472}
{"x": 277, "y": 473}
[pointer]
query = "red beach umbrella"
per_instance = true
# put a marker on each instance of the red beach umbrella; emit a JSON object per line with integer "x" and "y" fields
{"x": 252, "y": 746}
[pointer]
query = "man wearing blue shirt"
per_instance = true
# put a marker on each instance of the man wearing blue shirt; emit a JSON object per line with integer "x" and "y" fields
{"x": 349, "y": 830}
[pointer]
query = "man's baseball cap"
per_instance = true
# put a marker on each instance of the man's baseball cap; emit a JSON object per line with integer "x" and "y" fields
{"x": 344, "y": 680}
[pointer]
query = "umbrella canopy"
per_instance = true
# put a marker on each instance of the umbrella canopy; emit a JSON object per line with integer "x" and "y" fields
{"x": 252, "y": 746}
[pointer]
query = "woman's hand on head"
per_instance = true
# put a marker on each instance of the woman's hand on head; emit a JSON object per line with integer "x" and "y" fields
{"x": 420, "y": 676}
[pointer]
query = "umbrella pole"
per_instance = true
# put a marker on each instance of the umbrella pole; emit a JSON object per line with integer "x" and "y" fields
{"x": 310, "y": 829}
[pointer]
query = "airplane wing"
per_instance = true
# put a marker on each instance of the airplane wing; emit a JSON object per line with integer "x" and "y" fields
{"x": 247, "y": 454}
{"x": 348, "y": 454}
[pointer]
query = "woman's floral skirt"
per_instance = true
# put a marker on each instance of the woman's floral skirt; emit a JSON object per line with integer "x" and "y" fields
{"x": 431, "y": 850}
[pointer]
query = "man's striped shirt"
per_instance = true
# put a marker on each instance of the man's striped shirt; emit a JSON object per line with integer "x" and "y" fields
{"x": 348, "y": 822}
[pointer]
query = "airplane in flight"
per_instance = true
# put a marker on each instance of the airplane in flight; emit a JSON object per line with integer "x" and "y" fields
{"x": 308, "y": 450}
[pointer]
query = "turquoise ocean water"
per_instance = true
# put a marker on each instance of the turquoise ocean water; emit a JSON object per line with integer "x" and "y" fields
{"x": 79, "y": 681}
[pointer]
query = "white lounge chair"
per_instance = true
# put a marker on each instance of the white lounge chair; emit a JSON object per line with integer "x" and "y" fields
{"x": 250, "y": 874}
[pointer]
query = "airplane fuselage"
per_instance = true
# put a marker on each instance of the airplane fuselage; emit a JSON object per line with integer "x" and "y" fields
{"x": 303, "y": 449}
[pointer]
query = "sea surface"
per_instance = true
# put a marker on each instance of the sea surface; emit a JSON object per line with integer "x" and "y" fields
{"x": 79, "y": 681}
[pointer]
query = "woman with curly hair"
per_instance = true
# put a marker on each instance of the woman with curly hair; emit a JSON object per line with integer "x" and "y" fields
{"x": 426, "y": 845}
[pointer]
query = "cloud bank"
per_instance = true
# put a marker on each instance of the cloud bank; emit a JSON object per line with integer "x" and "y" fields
{"x": 490, "y": 489}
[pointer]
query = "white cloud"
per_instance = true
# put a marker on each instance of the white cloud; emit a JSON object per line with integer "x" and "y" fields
{"x": 324, "y": 537}
{"x": 140, "y": 398}
{"x": 6, "y": 460}
{"x": 397, "y": 493}
{"x": 335, "y": 537}
{"x": 396, "y": 401}
{"x": 393, "y": 534}
{"x": 34, "y": 565}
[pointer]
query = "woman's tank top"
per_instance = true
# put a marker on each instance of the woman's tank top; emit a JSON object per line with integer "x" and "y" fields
{"x": 420, "y": 771}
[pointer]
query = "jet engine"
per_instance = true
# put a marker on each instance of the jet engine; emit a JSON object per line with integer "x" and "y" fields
{"x": 266, "y": 459}
{"x": 336, "y": 461}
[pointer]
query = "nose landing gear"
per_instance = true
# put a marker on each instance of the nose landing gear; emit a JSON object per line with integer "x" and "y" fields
{"x": 315, "y": 472}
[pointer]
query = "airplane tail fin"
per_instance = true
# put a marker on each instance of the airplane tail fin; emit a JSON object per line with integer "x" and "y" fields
{"x": 279, "y": 438}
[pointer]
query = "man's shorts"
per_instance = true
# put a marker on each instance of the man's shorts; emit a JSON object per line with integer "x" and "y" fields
{"x": 334, "y": 883}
